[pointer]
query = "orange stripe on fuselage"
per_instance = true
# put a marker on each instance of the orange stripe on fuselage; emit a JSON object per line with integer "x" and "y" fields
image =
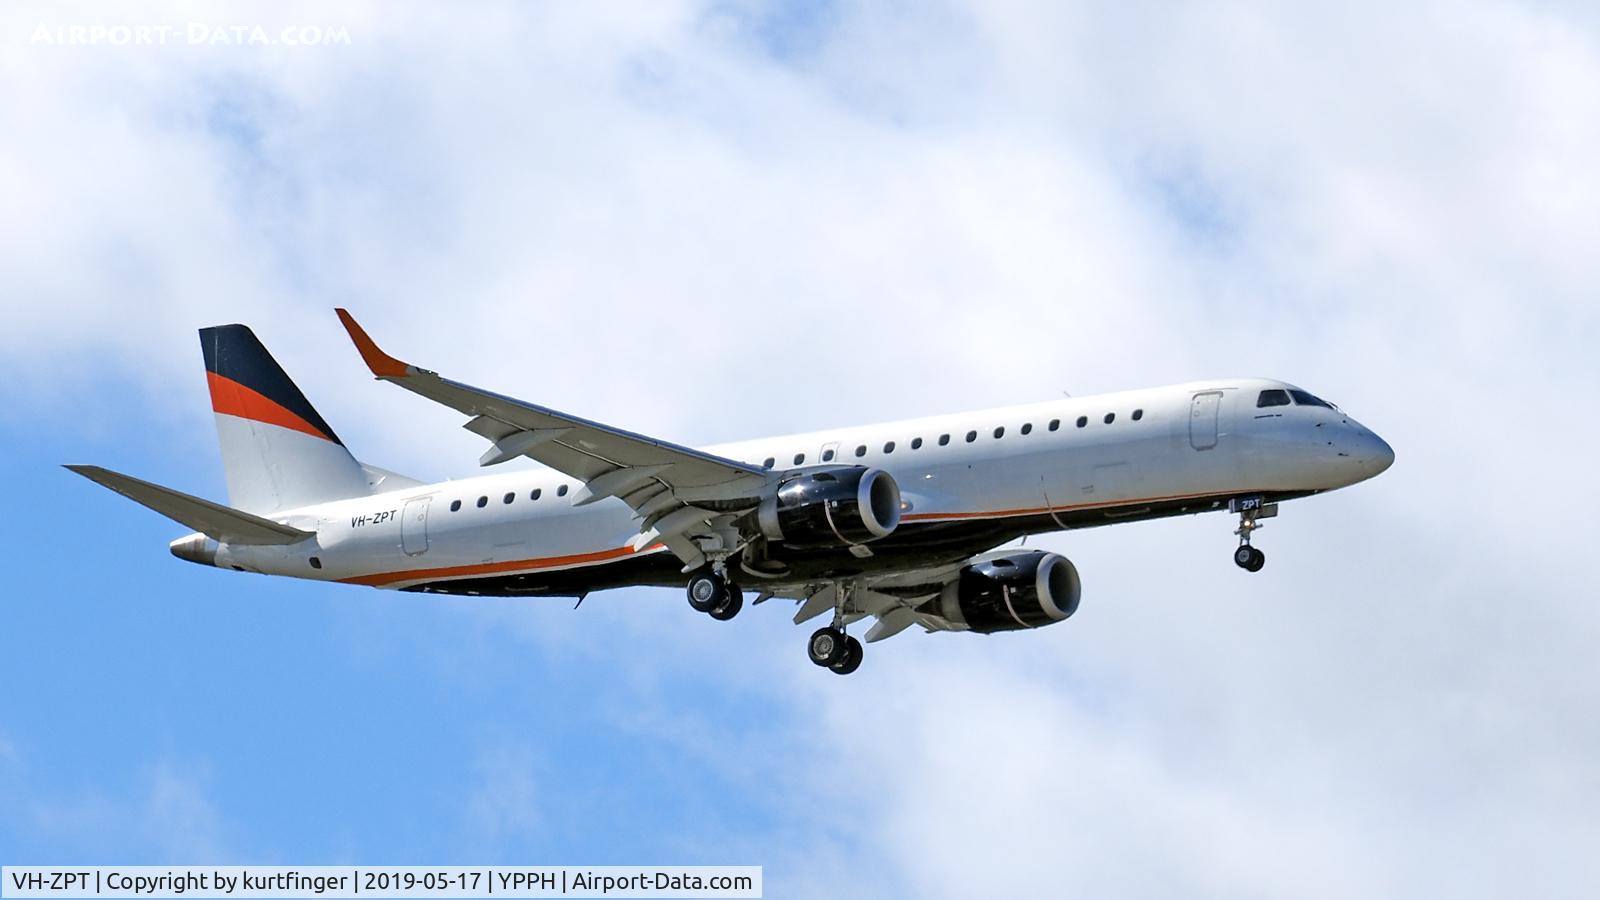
{"x": 493, "y": 568}
{"x": 554, "y": 562}
{"x": 231, "y": 398}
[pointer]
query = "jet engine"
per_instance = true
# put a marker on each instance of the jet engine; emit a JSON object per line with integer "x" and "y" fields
{"x": 830, "y": 508}
{"x": 1010, "y": 593}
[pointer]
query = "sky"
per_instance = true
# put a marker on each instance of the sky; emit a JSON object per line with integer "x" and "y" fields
{"x": 709, "y": 222}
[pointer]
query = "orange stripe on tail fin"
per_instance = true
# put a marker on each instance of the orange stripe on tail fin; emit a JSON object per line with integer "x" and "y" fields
{"x": 231, "y": 398}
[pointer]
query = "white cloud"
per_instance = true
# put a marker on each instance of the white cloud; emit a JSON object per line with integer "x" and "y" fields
{"x": 179, "y": 817}
{"x": 505, "y": 802}
{"x": 915, "y": 211}
{"x": 168, "y": 814}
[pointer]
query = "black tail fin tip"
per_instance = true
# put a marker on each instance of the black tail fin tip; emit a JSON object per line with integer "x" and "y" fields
{"x": 233, "y": 352}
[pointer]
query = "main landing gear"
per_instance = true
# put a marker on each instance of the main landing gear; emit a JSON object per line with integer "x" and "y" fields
{"x": 1250, "y": 509}
{"x": 711, "y": 592}
{"x": 830, "y": 647}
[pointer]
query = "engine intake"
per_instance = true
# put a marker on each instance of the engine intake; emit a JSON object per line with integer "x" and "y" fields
{"x": 830, "y": 508}
{"x": 1010, "y": 593}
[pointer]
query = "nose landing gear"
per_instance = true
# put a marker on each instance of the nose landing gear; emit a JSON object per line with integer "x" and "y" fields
{"x": 1249, "y": 558}
{"x": 1250, "y": 509}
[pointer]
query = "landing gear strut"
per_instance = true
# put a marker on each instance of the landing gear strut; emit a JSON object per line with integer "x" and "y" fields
{"x": 1250, "y": 509}
{"x": 830, "y": 647}
{"x": 711, "y": 592}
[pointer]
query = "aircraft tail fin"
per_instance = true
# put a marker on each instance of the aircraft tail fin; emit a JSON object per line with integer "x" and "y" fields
{"x": 277, "y": 451}
{"x": 220, "y": 523}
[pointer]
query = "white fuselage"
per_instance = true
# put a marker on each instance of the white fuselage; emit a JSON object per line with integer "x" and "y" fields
{"x": 1058, "y": 464}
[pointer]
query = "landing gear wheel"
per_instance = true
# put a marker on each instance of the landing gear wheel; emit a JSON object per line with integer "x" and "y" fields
{"x": 1257, "y": 560}
{"x": 827, "y": 646}
{"x": 1244, "y": 556}
{"x": 732, "y": 602}
{"x": 851, "y": 660}
{"x": 707, "y": 590}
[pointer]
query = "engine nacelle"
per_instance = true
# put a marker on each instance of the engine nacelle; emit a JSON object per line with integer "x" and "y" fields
{"x": 830, "y": 508}
{"x": 1010, "y": 593}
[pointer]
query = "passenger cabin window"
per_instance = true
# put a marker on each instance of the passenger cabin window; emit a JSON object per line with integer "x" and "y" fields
{"x": 769, "y": 462}
{"x": 561, "y": 491}
{"x": 1272, "y": 397}
{"x": 799, "y": 458}
{"x": 1083, "y": 421}
{"x": 455, "y": 505}
{"x": 1305, "y": 399}
{"x": 861, "y": 450}
{"x": 1138, "y": 414}
{"x": 1055, "y": 424}
{"x": 916, "y": 443}
{"x": 889, "y": 447}
{"x": 1000, "y": 432}
{"x": 508, "y": 498}
{"x": 1110, "y": 417}
{"x": 827, "y": 455}
{"x": 1027, "y": 427}
{"x": 972, "y": 436}
{"x": 535, "y": 493}
{"x": 944, "y": 439}
{"x": 482, "y": 502}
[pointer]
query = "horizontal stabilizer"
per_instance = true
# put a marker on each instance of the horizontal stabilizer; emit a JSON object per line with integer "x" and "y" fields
{"x": 222, "y": 523}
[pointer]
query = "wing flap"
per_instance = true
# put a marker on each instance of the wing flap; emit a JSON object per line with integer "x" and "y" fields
{"x": 891, "y": 623}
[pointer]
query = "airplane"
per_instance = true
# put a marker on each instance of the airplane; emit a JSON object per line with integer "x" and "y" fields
{"x": 904, "y": 523}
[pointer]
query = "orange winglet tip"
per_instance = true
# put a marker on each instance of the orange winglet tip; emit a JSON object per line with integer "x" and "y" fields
{"x": 382, "y": 364}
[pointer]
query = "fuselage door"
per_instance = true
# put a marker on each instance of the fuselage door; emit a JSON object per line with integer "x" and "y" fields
{"x": 829, "y": 453}
{"x": 414, "y": 526}
{"x": 1203, "y": 420}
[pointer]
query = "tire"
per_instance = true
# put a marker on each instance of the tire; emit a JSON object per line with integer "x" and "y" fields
{"x": 827, "y": 646}
{"x": 732, "y": 602}
{"x": 1244, "y": 556}
{"x": 852, "y": 658}
{"x": 707, "y": 590}
{"x": 1257, "y": 560}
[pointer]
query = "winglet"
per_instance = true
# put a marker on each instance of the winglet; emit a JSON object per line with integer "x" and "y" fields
{"x": 382, "y": 364}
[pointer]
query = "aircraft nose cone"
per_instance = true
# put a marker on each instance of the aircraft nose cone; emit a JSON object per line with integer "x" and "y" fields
{"x": 1376, "y": 453}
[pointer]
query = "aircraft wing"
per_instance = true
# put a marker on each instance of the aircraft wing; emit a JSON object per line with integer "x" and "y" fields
{"x": 661, "y": 481}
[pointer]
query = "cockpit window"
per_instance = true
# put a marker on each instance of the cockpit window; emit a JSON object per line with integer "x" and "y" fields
{"x": 1272, "y": 397}
{"x": 1305, "y": 399}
